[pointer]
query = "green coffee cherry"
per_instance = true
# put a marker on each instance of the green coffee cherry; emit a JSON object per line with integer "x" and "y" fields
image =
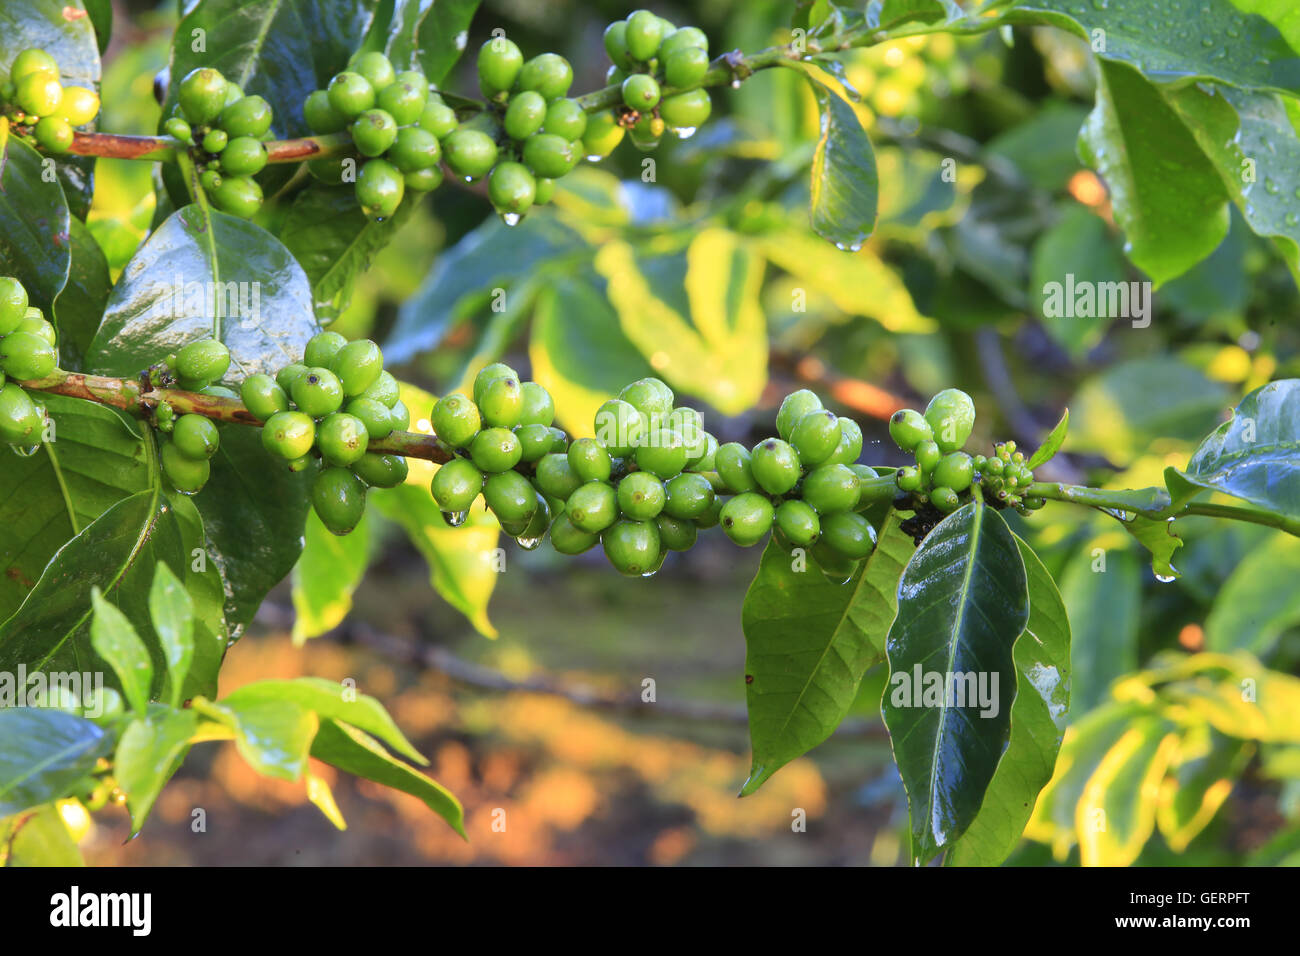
{"x": 177, "y": 128}
{"x": 318, "y": 393}
{"x": 321, "y": 349}
{"x": 632, "y": 547}
{"x": 686, "y": 111}
{"x": 775, "y": 465}
{"x": 549, "y": 74}
{"x": 186, "y": 474}
{"x": 499, "y": 64}
{"x": 511, "y": 188}
{"x": 688, "y": 496}
{"x": 663, "y": 454}
{"x": 380, "y": 187}
{"x": 832, "y": 488}
{"x": 381, "y": 471}
{"x": 686, "y": 67}
{"x": 793, "y": 408}
{"x": 248, "y": 116}
{"x": 927, "y": 456}
{"x": 13, "y": 304}
{"x": 439, "y": 119}
{"x": 350, "y": 94}
{"x": 685, "y": 38}
{"x": 735, "y": 467}
{"x": 290, "y": 374}
{"x": 373, "y": 131}
{"x": 593, "y": 507}
{"x": 555, "y": 477}
{"x": 849, "y": 449}
{"x": 799, "y": 522}
{"x": 202, "y": 95}
{"x": 339, "y": 498}
{"x": 375, "y": 67}
{"x": 641, "y": 495}
{"x": 470, "y": 152}
{"x": 908, "y": 479}
{"x": 289, "y": 435}
{"x": 375, "y": 416}
{"x": 54, "y": 134}
{"x": 205, "y": 360}
{"x": 342, "y": 439}
{"x": 456, "y": 484}
{"x": 502, "y": 402}
{"x": 642, "y": 36}
{"x": 243, "y": 156}
{"x": 566, "y": 119}
{"x": 20, "y": 420}
{"x": 951, "y": 416}
{"x": 746, "y": 518}
{"x": 640, "y": 92}
{"x": 909, "y": 428}
{"x": 816, "y": 437}
{"x": 358, "y": 365}
{"x": 651, "y": 397}
{"x": 538, "y": 407}
{"x": 945, "y": 499}
{"x": 848, "y": 533}
{"x": 534, "y": 440}
{"x": 590, "y": 460}
{"x": 404, "y": 100}
{"x": 566, "y": 538}
{"x": 620, "y": 427}
{"x": 510, "y": 496}
{"x": 496, "y": 450}
{"x": 549, "y": 155}
{"x": 525, "y": 115}
{"x": 602, "y": 136}
{"x": 195, "y": 437}
{"x": 954, "y": 471}
{"x": 713, "y": 517}
{"x": 26, "y": 356}
{"x": 239, "y": 196}
{"x": 616, "y": 44}
{"x": 320, "y": 115}
{"x": 675, "y": 534}
{"x": 456, "y": 420}
{"x": 489, "y": 374}
{"x": 423, "y": 180}
{"x": 32, "y": 60}
{"x": 384, "y": 389}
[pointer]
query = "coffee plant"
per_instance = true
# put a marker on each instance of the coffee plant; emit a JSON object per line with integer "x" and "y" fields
{"x": 182, "y": 430}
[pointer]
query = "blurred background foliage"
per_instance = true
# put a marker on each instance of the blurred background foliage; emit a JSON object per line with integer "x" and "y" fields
{"x": 707, "y": 274}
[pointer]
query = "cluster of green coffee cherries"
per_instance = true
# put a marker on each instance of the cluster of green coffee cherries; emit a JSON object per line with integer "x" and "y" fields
{"x": 27, "y": 352}
{"x": 648, "y": 53}
{"x": 944, "y": 476}
{"x": 226, "y": 133}
{"x": 40, "y": 106}
{"x": 651, "y": 478}
{"x": 396, "y": 124}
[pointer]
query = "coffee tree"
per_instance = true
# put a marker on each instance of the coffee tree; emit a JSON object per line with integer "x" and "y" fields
{"x": 180, "y": 438}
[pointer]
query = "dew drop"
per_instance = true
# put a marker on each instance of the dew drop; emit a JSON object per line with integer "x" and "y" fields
{"x": 593, "y": 158}
{"x": 1164, "y": 578}
{"x": 462, "y": 38}
{"x": 511, "y": 218}
{"x": 735, "y": 84}
{"x": 455, "y": 518}
{"x": 684, "y": 132}
{"x": 25, "y": 451}
{"x": 528, "y": 544}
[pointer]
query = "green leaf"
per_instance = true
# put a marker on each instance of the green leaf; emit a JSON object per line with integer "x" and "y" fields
{"x": 1255, "y": 455}
{"x": 149, "y": 752}
{"x": 39, "y": 838}
{"x": 1038, "y": 719}
{"x": 809, "y": 641}
{"x": 696, "y": 317}
{"x": 1161, "y": 538}
{"x": 332, "y": 700}
{"x": 858, "y": 284}
{"x": 1043, "y": 146}
{"x": 202, "y": 275}
{"x": 884, "y": 14}
{"x": 1116, "y": 813}
{"x": 206, "y": 589}
{"x": 433, "y": 37}
{"x": 1052, "y": 443}
{"x": 962, "y": 603}
{"x": 35, "y": 224}
{"x": 1103, "y": 595}
{"x": 335, "y": 242}
{"x": 101, "y": 18}
{"x": 43, "y": 752}
{"x": 1079, "y": 253}
{"x": 279, "y": 49}
{"x": 172, "y": 612}
{"x": 327, "y": 572}
{"x": 460, "y": 566}
{"x": 98, "y": 458}
{"x": 253, "y": 517}
{"x": 273, "y": 735}
{"x": 1166, "y": 195}
{"x": 116, "y": 641}
{"x": 1252, "y": 142}
{"x": 844, "y": 179}
{"x": 493, "y": 256}
{"x": 1123, "y": 411}
{"x": 1218, "y": 42}
{"x": 578, "y": 352}
{"x": 355, "y": 752}
{"x": 1259, "y": 601}
{"x": 1205, "y": 765}
{"x": 80, "y": 306}
{"x": 1245, "y": 700}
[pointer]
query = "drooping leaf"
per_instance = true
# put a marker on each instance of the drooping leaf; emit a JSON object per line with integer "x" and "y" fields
{"x": 962, "y": 603}
{"x": 327, "y": 573}
{"x": 35, "y": 243}
{"x": 1038, "y": 719}
{"x": 845, "y": 183}
{"x": 172, "y": 611}
{"x": 1166, "y": 194}
{"x": 148, "y": 753}
{"x": 204, "y": 274}
{"x": 1161, "y": 538}
{"x": 809, "y": 641}
{"x": 355, "y": 752}
{"x": 273, "y": 735}
{"x": 80, "y": 306}
{"x": 43, "y": 752}
{"x": 1052, "y": 443}
{"x": 206, "y": 589}
{"x": 116, "y": 641}
{"x": 1102, "y": 593}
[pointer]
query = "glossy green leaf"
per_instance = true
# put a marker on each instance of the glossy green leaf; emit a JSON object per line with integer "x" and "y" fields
{"x": 97, "y": 458}
{"x": 808, "y": 642}
{"x": 278, "y": 49}
{"x": 335, "y": 242}
{"x": 429, "y": 36}
{"x": 1116, "y": 813}
{"x": 1259, "y": 601}
{"x": 1079, "y": 253}
{"x": 1052, "y": 443}
{"x": 1038, "y": 719}
{"x": 149, "y": 752}
{"x": 1201, "y": 777}
{"x": 1213, "y": 39}
{"x": 172, "y": 611}
{"x": 327, "y": 573}
{"x": 696, "y": 316}
{"x": 332, "y": 700}
{"x": 1255, "y": 456}
{"x": 43, "y": 752}
{"x": 845, "y": 184}
{"x": 1253, "y": 143}
{"x": 1102, "y": 591}
{"x": 578, "y": 352}
{"x": 1166, "y": 195}
{"x": 962, "y": 603}
{"x": 80, "y": 306}
{"x": 355, "y": 752}
{"x": 38, "y": 838}
{"x": 200, "y": 275}
{"x": 884, "y": 14}
{"x": 493, "y": 256}
{"x": 116, "y": 641}
{"x": 101, "y": 18}
{"x": 34, "y": 225}
{"x": 206, "y": 589}
{"x": 1161, "y": 538}
{"x": 273, "y": 735}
